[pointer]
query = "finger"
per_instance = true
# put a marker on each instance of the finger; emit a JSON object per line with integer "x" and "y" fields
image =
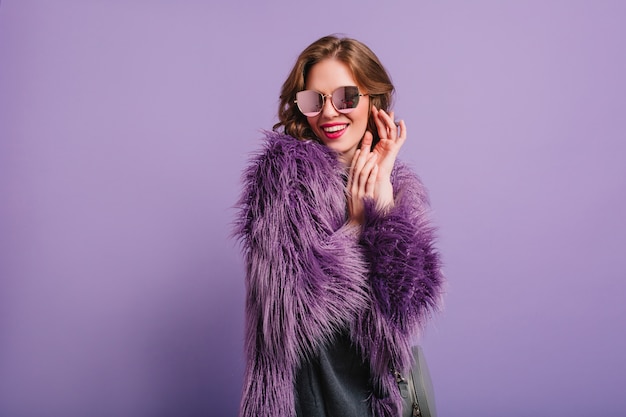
{"x": 389, "y": 123}
{"x": 355, "y": 157}
{"x": 366, "y": 142}
{"x": 396, "y": 124}
{"x": 364, "y": 150}
{"x": 370, "y": 186}
{"x": 402, "y": 135}
{"x": 380, "y": 124}
{"x": 352, "y": 167}
{"x": 360, "y": 160}
{"x": 365, "y": 174}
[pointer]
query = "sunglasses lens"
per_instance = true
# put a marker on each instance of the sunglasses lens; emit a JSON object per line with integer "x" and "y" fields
{"x": 346, "y": 99}
{"x": 310, "y": 102}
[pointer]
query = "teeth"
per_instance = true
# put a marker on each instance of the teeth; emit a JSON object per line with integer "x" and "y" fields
{"x": 332, "y": 129}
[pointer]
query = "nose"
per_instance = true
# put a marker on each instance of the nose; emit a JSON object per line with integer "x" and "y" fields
{"x": 328, "y": 109}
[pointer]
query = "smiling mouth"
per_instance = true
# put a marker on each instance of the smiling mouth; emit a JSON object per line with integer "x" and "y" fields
{"x": 333, "y": 129}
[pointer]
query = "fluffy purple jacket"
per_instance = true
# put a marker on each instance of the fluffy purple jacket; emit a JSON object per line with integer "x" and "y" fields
{"x": 310, "y": 275}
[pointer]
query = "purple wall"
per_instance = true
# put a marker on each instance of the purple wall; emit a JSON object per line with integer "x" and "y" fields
{"x": 124, "y": 127}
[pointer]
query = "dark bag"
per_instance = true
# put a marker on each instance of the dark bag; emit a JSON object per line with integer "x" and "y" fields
{"x": 416, "y": 388}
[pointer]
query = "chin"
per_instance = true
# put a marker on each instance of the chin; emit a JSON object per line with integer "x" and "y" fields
{"x": 337, "y": 147}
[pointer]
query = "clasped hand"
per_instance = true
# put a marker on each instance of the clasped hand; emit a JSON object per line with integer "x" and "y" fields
{"x": 370, "y": 170}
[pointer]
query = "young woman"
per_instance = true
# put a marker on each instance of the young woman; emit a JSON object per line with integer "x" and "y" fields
{"x": 341, "y": 268}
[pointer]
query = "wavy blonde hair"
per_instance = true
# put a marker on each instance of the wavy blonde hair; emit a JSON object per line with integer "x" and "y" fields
{"x": 366, "y": 69}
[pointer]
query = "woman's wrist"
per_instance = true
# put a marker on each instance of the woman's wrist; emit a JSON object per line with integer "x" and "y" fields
{"x": 384, "y": 196}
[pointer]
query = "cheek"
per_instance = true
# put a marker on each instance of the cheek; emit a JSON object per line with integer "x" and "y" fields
{"x": 312, "y": 121}
{"x": 364, "y": 111}
{"x": 361, "y": 117}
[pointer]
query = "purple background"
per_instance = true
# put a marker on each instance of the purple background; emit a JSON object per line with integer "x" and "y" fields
{"x": 124, "y": 126}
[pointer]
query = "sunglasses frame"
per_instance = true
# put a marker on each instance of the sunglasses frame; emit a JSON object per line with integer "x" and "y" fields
{"x": 324, "y": 96}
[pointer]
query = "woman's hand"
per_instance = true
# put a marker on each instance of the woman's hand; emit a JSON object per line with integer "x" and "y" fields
{"x": 370, "y": 170}
{"x": 361, "y": 180}
{"x": 391, "y": 139}
{"x": 387, "y": 148}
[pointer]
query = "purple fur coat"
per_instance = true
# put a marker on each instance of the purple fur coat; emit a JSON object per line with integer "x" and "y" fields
{"x": 310, "y": 275}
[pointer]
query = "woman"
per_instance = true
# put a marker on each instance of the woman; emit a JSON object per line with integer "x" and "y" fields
{"x": 341, "y": 268}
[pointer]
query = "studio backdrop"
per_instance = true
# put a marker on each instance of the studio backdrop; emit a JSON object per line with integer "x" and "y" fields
{"x": 124, "y": 128}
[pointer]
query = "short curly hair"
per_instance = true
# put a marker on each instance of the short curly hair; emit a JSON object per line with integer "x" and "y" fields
{"x": 366, "y": 69}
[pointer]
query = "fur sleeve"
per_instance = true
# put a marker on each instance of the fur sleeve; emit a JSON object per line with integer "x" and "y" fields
{"x": 404, "y": 277}
{"x": 399, "y": 246}
{"x": 306, "y": 276}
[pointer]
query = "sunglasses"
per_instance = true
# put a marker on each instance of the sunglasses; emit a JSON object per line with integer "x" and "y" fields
{"x": 344, "y": 99}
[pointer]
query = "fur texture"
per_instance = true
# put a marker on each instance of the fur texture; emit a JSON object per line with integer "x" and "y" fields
{"x": 310, "y": 275}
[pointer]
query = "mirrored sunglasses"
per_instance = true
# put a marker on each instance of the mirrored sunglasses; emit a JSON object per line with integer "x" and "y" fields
{"x": 344, "y": 99}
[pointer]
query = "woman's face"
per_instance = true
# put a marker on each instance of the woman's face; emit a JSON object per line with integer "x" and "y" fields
{"x": 339, "y": 131}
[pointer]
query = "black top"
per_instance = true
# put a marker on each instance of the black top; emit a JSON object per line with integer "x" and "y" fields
{"x": 335, "y": 383}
